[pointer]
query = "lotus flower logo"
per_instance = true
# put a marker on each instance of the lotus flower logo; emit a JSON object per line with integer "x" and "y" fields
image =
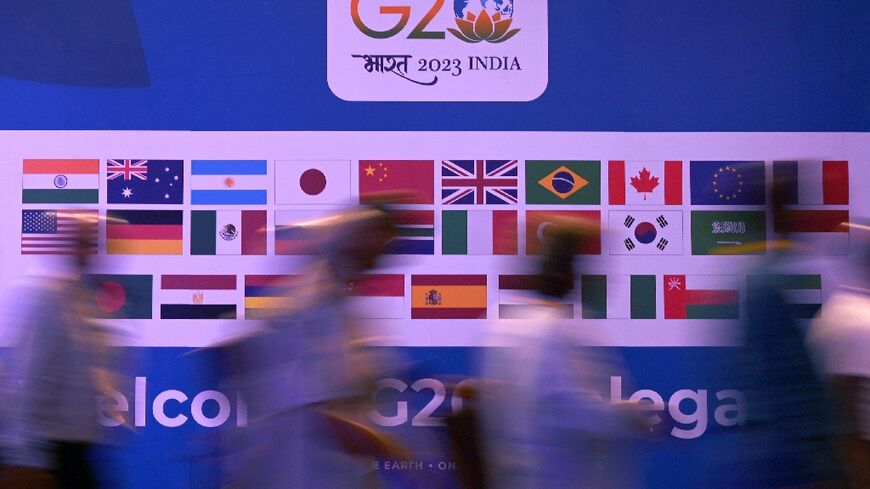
{"x": 483, "y": 27}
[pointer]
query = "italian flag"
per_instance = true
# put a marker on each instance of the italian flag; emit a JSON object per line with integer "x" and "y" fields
{"x": 618, "y": 296}
{"x": 479, "y": 232}
{"x": 700, "y": 297}
{"x": 61, "y": 181}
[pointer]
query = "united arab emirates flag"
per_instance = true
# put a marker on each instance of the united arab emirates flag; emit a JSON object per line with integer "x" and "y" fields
{"x": 802, "y": 293}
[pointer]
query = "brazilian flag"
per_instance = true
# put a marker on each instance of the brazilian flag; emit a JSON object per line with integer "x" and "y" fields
{"x": 563, "y": 182}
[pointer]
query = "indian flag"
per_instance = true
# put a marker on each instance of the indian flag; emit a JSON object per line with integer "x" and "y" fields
{"x": 700, "y": 297}
{"x": 61, "y": 181}
{"x": 618, "y": 296}
{"x": 802, "y": 293}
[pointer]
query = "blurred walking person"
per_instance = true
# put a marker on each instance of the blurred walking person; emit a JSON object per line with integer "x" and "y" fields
{"x": 54, "y": 378}
{"x": 787, "y": 440}
{"x": 306, "y": 378}
{"x": 841, "y": 337}
{"x": 547, "y": 419}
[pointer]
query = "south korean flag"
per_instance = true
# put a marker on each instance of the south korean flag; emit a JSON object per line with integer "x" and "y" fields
{"x": 646, "y": 232}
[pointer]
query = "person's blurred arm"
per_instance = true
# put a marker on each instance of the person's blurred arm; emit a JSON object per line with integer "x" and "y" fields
{"x": 29, "y": 370}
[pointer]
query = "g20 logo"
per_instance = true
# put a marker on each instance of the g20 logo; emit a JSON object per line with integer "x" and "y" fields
{"x": 477, "y": 20}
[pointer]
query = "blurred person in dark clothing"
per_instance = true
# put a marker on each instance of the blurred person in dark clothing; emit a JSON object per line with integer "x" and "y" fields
{"x": 841, "y": 337}
{"x": 786, "y": 441}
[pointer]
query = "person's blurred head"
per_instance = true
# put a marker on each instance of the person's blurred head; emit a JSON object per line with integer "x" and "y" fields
{"x": 85, "y": 241}
{"x": 782, "y": 193}
{"x": 358, "y": 240}
{"x": 557, "y": 270}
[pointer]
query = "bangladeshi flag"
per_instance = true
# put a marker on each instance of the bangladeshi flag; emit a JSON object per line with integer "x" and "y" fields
{"x": 122, "y": 296}
{"x": 700, "y": 297}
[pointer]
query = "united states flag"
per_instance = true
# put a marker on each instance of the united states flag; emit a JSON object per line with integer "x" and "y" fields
{"x": 53, "y": 232}
{"x": 479, "y": 182}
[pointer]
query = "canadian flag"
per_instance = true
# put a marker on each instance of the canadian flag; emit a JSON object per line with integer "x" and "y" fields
{"x": 645, "y": 182}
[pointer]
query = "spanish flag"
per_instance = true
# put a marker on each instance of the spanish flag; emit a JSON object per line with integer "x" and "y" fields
{"x": 448, "y": 297}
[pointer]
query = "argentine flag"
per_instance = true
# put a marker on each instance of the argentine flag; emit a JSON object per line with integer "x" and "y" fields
{"x": 228, "y": 182}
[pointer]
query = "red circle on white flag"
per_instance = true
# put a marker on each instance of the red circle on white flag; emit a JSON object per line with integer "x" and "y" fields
{"x": 312, "y": 181}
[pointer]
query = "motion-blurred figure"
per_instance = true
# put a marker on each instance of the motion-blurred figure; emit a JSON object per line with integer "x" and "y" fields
{"x": 54, "y": 378}
{"x": 841, "y": 335}
{"x": 547, "y": 419}
{"x": 306, "y": 378}
{"x": 787, "y": 438}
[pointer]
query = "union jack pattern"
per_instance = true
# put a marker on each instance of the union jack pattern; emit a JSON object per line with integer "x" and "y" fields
{"x": 127, "y": 169}
{"x": 479, "y": 182}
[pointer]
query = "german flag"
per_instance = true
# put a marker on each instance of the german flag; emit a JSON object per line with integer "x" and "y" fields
{"x": 448, "y": 297}
{"x": 144, "y": 232}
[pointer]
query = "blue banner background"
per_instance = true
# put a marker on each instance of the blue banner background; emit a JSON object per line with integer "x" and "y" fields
{"x": 677, "y": 65}
{"x": 188, "y": 456}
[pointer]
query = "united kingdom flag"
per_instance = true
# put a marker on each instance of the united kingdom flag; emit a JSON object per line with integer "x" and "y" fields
{"x": 479, "y": 182}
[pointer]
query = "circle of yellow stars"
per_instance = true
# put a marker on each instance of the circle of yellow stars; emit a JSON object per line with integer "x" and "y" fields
{"x": 370, "y": 171}
{"x": 725, "y": 170}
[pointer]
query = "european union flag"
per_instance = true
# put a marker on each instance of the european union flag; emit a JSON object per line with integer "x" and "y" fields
{"x": 727, "y": 182}
{"x": 145, "y": 181}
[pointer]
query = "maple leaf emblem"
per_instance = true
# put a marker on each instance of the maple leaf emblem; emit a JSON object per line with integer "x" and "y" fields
{"x": 645, "y": 184}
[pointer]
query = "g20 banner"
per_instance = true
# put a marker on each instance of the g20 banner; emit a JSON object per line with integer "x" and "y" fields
{"x": 437, "y": 50}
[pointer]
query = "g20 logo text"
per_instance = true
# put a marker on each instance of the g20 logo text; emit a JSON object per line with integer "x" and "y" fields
{"x": 476, "y": 20}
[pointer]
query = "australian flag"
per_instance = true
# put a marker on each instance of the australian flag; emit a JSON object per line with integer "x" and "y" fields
{"x": 479, "y": 182}
{"x": 145, "y": 181}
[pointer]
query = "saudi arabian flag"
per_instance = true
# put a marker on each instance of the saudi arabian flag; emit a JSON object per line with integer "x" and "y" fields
{"x": 802, "y": 293}
{"x": 618, "y": 296}
{"x": 563, "y": 182}
{"x": 728, "y": 233}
